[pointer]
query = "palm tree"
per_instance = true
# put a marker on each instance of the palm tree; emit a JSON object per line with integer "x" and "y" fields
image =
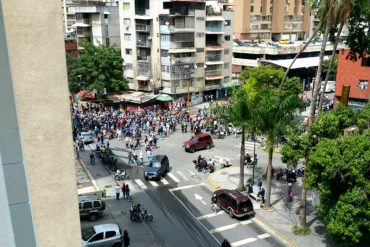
{"x": 271, "y": 116}
{"x": 239, "y": 113}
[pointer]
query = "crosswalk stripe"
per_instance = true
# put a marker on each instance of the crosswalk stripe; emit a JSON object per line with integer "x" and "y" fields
{"x": 246, "y": 222}
{"x": 187, "y": 187}
{"x": 262, "y": 236}
{"x": 192, "y": 173}
{"x": 224, "y": 228}
{"x": 173, "y": 177}
{"x": 141, "y": 184}
{"x": 182, "y": 175}
{"x": 153, "y": 183}
{"x": 164, "y": 181}
{"x": 244, "y": 241}
{"x": 207, "y": 216}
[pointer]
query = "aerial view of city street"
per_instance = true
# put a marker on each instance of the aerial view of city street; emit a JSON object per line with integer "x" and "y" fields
{"x": 177, "y": 123}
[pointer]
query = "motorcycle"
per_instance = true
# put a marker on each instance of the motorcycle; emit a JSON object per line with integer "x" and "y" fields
{"x": 135, "y": 216}
{"x": 121, "y": 175}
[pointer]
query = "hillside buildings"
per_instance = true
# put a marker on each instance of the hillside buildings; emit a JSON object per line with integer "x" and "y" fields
{"x": 177, "y": 47}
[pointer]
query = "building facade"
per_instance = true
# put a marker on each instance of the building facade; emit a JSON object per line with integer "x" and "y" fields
{"x": 177, "y": 47}
{"x": 96, "y": 22}
{"x": 35, "y": 135}
{"x": 357, "y": 75}
{"x": 272, "y": 19}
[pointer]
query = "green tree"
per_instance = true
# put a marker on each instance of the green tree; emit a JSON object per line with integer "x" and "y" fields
{"x": 273, "y": 113}
{"x": 96, "y": 67}
{"x": 363, "y": 119}
{"x": 339, "y": 170}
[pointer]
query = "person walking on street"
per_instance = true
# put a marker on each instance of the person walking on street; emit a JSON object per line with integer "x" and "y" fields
{"x": 141, "y": 157}
{"x": 118, "y": 192}
{"x": 130, "y": 157}
{"x": 259, "y": 185}
{"x": 123, "y": 188}
{"x": 77, "y": 152}
{"x": 92, "y": 158}
{"x": 126, "y": 239}
{"x": 262, "y": 194}
{"x": 127, "y": 192}
{"x": 225, "y": 243}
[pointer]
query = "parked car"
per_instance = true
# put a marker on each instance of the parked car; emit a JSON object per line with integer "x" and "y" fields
{"x": 102, "y": 235}
{"x": 157, "y": 167}
{"x": 91, "y": 207}
{"x": 86, "y": 137}
{"x": 198, "y": 142}
{"x": 234, "y": 128}
{"x": 233, "y": 202}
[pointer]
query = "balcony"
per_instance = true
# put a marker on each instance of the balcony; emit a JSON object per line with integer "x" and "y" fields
{"x": 182, "y": 60}
{"x": 140, "y": 11}
{"x": 144, "y": 72}
{"x": 293, "y": 18}
{"x": 144, "y": 59}
{"x": 181, "y": 12}
{"x": 211, "y": 11}
{"x": 214, "y": 29}
{"x": 181, "y": 44}
{"x": 145, "y": 43}
{"x": 142, "y": 28}
{"x": 213, "y": 43}
{"x": 174, "y": 29}
{"x": 213, "y": 73}
{"x": 213, "y": 57}
{"x": 145, "y": 88}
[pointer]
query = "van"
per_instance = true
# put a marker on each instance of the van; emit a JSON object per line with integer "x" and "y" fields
{"x": 91, "y": 206}
{"x": 198, "y": 142}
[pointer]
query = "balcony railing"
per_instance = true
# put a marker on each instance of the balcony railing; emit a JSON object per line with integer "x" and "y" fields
{"x": 293, "y": 18}
{"x": 143, "y": 43}
{"x": 179, "y": 12}
{"x": 210, "y": 11}
{"x": 142, "y": 28}
{"x": 143, "y": 59}
{"x": 212, "y": 43}
{"x": 144, "y": 72}
{"x": 214, "y": 72}
{"x": 182, "y": 60}
{"x": 145, "y": 88}
{"x": 182, "y": 44}
{"x": 211, "y": 58}
{"x": 214, "y": 28}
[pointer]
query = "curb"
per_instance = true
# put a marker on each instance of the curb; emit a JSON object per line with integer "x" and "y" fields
{"x": 258, "y": 219}
{"x": 89, "y": 175}
{"x": 213, "y": 184}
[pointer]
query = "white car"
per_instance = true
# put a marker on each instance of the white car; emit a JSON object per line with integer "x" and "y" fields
{"x": 234, "y": 128}
{"x": 86, "y": 137}
{"x": 102, "y": 235}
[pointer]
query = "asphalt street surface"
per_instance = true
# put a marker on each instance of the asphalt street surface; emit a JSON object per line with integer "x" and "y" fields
{"x": 180, "y": 202}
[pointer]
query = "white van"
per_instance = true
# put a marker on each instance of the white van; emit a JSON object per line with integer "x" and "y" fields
{"x": 330, "y": 86}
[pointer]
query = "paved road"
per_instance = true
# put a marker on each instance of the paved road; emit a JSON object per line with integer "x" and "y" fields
{"x": 180, "y": 202}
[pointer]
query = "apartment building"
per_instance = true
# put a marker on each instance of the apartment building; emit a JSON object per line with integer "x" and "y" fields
{"x": 272, "y": 19}
{"x": 36, "y": 208}
{"x": 357, "y": 76}
{"x": 177, "y": 47}
{"x": 96, "y": 22}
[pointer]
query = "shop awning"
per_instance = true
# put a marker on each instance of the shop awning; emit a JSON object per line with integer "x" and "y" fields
{"x": 164, "y": 98}
{"x": 299, "y": 63}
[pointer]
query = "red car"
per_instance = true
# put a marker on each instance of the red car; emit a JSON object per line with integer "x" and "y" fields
{"x": 233, "y": 202}
{"x": 198, "y": 142}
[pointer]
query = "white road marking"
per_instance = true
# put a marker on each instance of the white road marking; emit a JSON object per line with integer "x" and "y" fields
{"x": 224, "y": 228}
{"x": 207, "y": 216}
{"x": 242, "y": 242}
{"x": 200, "y": 198}
{"x": 164, "y": 181}
{"x": 262, "y": 236}
{"x": 246, "y": 222}
{"x": 173, "y": 177}
{"x": 187, "y": 187}
{"x": 192, "y": 173}
{"x": 182, "y": 175}
{"x": 153, "y": 183}
{"x": 141, "y": 184}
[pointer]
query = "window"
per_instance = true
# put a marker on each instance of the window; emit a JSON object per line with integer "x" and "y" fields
{"x": 79, "y": 206}
{"x": 126, "y": 21}
{"x": 363, "y": 84}
{"x": 96, "y": 204}
{"x": 105, "y": 16}
{"x": 200, "y": 49}
{"x": 200, "y": 65}
{"x": 252, "y": 8}
{"x": 227, "y": 37}
{"x": 200, "y": 19}
{"x": 227, "y": 22}
{"x": 128, "y": 51}
{"x": 87, "y": 205}
{"x": 226, "y": 65}
{"x": 110, "y": 234}
{"x": 165, "y": 37}
{"x": 126, "y": 6}
{"x": 164, "y": 53}
{"x": 365, "y": 62}
{"x": 226, "y": 51}
{"x": 200, "y": 35}
{"x": 261, "y": 9}
{"x": 128, "y": 66}
{"x": 127, "y": 37}
{"x": 97, "y": 237}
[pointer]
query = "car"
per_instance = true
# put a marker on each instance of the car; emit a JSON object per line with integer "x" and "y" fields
{"x": 235, "y": 203}
{"x": 234, "y": 129}
{"x": 283, "y": 41}
{"x": 157, "y": 167}
{"x": 197, "y": 142}
{"x": 91, "y": 206}
{"x": 86, "y": 137}
{"x": 102, "y": 235}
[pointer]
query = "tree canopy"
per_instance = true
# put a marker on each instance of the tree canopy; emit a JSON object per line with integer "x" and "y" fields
{"x": 96, "y": 67}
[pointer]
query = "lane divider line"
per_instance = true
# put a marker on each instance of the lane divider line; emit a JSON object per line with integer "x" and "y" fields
{"x": 207, "y": 216}
{"x": 224, "y": 228}
{"x": 187, "y": 187}
{"x": 242, "y": 242}
{"x": 262, "y": 236}
{"x": 246, "y": 222}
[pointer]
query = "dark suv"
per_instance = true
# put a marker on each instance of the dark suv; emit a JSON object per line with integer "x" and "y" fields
{"x": 91, "y": 206}
{"x": 234, "y": 203}
{"x": 198, "y": 142}
{"x": 157, "y": 167}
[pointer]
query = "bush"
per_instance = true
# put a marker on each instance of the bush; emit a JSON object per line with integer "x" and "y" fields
{"x": 302, "y": 231}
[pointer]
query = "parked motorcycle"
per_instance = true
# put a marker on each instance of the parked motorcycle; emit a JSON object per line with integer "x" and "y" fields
{"x": 121, "y": 175}
{"x": 135, "y": 216}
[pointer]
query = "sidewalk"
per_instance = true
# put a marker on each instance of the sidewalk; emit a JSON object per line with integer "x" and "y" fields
{"x": 281, "y": 220}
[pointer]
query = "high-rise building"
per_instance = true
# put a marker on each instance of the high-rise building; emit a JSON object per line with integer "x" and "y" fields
{"x": 38, "y": 192}
{"x": 177, "y": 47}
{"x": 272, "y": 19}
{"x": 96, "y": 22}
